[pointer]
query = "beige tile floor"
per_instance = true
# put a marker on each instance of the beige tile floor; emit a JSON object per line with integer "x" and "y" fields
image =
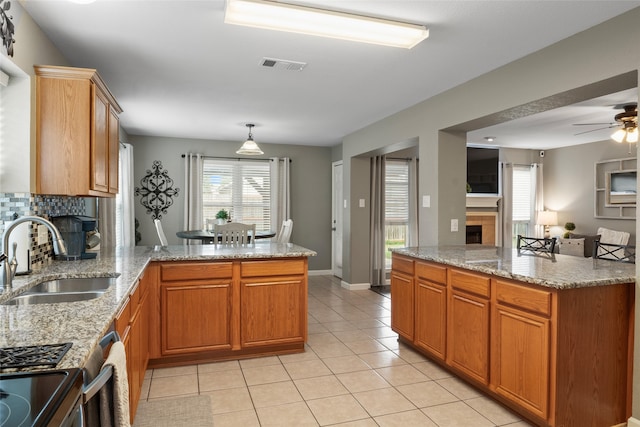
{"x": 353, "y": 373}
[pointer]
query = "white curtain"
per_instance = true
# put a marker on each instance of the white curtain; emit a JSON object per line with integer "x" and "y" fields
{"x": 507, "y": 205}
{"x": 125, "y": 215}
{"x": 413, "y": 232}
{"x": 193, "y": 168}
{"x": 377, "y": 229}
{"x": 538, "y": 196}
{"x": 280, "y": 191}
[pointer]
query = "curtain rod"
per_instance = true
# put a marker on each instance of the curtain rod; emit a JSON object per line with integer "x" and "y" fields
{"x": 235, "y": 158}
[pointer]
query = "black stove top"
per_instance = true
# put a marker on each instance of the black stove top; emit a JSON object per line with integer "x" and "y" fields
{"x": 36, "y": 355}
{"x": 34, "y": 398}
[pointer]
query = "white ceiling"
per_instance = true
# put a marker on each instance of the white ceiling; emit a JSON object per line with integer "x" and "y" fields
{"x": 178, "y": 71}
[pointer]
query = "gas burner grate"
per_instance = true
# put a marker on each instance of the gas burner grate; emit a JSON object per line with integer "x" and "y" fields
{"x": 35, "y": 355}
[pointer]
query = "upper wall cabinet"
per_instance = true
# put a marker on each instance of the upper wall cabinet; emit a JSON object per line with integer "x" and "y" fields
{"x": 77, "y": 133}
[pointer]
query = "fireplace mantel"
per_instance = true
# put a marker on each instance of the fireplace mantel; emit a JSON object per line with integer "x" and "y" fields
{"x": 483, "y": 200}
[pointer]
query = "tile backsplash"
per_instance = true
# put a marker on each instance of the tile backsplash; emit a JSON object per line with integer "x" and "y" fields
{"x": 15, "y": 205}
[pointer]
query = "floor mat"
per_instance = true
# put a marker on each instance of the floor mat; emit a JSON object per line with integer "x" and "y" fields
{"x": 192, "y": 411}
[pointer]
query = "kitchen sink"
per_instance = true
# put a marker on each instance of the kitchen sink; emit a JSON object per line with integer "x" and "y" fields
{"x": 52, "y": 297}
{"x": 64, "y": 290}
{"x": 84, "y": 284}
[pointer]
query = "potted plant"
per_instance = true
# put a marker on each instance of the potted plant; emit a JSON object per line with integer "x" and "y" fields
{"x": 222, "y": 216}
{"x": 569, "y": 226}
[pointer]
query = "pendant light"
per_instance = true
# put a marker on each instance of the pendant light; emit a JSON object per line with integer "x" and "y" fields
{"x": 250, "y": 147}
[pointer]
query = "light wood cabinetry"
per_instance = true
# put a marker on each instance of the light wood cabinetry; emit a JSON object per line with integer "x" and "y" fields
{"x": 195, "y": 303}
{"x": 431, "y": 309}
{"x": 274, "y": 301}
{"x": 521, "y": 350}
{"x": 131, "y": 323}
{"x": 402, "y": 297}
{"x": 77, "y": 133}
{"x": 228, "y": 309}
{"x": 468, "y": 324}
{"x": 558, "y": 357}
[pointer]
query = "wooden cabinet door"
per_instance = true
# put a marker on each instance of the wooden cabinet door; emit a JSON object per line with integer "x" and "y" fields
{"x": 100, "y": 142}
{"x": 520, "y": 358}
{"x": 402, "y": 304}
{"x": 114, "y": 150}
{"x": 431, "y": 317}
{"x": 468, "y": 335}
{"x": 273, "y": 311}
{"x": 195, "y": 316}
{"x": 134, "y": 362}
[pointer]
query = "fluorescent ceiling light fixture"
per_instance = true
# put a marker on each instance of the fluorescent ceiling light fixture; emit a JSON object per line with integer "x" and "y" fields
{"x": 325, "y": 23}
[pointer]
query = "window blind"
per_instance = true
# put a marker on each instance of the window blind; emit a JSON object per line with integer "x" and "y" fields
{"x": 242, "y": 188}
{"x": 522, "y": 193}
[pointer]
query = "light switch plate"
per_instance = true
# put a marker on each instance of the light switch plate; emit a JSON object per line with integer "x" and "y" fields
{"x": 361, "y": 203}
{"x": 454, "y": 225}
{"x": 426, "y": 201}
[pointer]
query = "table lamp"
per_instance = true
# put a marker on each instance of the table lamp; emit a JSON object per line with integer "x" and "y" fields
{"x": 547, "y": 218}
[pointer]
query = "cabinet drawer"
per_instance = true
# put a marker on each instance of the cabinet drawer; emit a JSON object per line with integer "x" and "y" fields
{"x": 195, "y": 271}
{"x": 472, "y": 283}
{"x": 402, "y": 265}
{"x": 432, "y": 272}
{"x": 273, "y": 268}
{"x": 535, "y": 300}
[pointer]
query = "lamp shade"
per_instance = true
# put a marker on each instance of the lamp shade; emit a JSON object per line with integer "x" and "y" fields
{"x": 547, "y": 218}
{"x": 249, "y": 147}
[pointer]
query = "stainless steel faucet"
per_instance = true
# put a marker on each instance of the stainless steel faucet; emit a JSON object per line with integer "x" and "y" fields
{"x": 9, "y": 266}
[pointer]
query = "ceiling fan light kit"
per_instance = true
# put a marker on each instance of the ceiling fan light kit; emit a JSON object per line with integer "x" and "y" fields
{"x": 325, "y": 23}
{"x": 629, "y": 121}
{"x": 249, "y": 147}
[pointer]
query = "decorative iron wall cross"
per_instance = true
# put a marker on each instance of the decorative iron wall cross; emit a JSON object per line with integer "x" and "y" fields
{"x": 157, "y": 190}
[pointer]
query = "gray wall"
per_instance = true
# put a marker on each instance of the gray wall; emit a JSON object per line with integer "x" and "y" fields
{"x": 569, "y": 185}
{"x": 561, "y": 74}
{"x": 310, "y": 188}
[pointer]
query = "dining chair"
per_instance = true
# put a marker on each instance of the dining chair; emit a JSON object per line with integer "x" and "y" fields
{"x": 234, "y": 234}
{"x": 613, "y": 252}
{"x": 536, "y": 244}
{"x": 285, "y": 231}
{"x": 161, "y": 235}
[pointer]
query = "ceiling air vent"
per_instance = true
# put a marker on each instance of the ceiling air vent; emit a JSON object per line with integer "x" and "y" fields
{"x": 283, "y": 64}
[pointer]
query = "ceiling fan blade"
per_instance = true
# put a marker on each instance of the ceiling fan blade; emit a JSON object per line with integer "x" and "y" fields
{"x": 593, "y": 124}
{"x": 594, "y": 130}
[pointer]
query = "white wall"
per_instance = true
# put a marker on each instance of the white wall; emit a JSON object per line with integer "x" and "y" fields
{"x": 567, "y": 67}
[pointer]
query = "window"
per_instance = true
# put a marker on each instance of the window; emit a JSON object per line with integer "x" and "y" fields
{"x": 396, "y": 206}
{"x": 522, "y": 201}
{"x": 241, "y": 187}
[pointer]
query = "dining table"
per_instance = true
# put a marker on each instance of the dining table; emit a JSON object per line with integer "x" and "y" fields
{"x": 207, "y": 237}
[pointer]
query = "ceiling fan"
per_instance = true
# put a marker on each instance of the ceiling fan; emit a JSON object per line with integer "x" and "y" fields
{"x": 626, "y": 120}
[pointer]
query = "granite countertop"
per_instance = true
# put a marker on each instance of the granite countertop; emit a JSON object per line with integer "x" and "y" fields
{"x": 83, "y": 323}
{"x": 550, "y": 270}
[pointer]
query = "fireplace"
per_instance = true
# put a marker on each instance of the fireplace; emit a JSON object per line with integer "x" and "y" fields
{"x": 474, "y": 234}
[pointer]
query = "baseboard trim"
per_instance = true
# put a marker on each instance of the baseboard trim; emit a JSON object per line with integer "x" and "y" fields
{"x": 633, "y": 422}
{"x": 355, "y": 286}
{"x": 320, "y": 272}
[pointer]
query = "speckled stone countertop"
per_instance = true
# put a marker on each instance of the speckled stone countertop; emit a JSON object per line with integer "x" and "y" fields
{"x": 550, "y": 270}
{"x": 83, "y": 323}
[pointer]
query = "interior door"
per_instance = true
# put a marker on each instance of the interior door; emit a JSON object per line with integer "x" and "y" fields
{"x": 337, "y": 208}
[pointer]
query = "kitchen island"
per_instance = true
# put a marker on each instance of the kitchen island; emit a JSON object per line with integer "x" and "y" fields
{"x": 171, "y": 305}
{"x": 549, "y": 335}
